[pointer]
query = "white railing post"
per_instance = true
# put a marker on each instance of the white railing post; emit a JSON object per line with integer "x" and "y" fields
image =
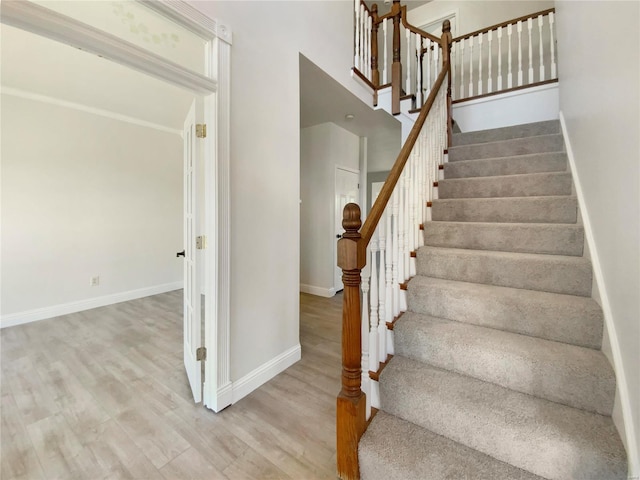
{"x": 461, "y": 68}
{"x": 419, "y": 98}
{"x": 509, "y": 68}
{"x": 389, "y": 293}
{"x": 490, "y": 70}
{"x": 382, "y": 287}
{"x": 407, "y": 89}
{"x": 364, "y": 331}
{"x": 540, "y": 24}
{"x": 386, "y": 49}
{"x": 552, "y": 46}
{"x": 530, "y": 27}
{"x": 356, "y": 56}
{"x": 499, "y": 83}
{"x": 480, "y": 64}
{"x": 470, "y": 67}
{"x": 372, "y": 331}
{"x": 519, "y": 25}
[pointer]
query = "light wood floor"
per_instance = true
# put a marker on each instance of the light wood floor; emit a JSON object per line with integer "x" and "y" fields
{"x": 102, "y": 394}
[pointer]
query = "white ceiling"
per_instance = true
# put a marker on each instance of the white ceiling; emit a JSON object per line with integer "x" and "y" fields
{"x": 322, "y": 100}
{"x": 38, "y": 65}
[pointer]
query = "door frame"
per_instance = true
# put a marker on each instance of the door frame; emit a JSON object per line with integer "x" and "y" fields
{"x": 215, "y": 86}
{"x": 334, "y": 240}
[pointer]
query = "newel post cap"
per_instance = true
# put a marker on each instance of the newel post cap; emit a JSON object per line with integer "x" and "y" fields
{"x": 350, "y": 254}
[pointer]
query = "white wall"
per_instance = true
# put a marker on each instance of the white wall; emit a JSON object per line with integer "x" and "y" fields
{"x": 83, "y": 196}
{"x": 322, "y": 148}
{"x": 599, "y": 100}
{"x": 265, "y": 160}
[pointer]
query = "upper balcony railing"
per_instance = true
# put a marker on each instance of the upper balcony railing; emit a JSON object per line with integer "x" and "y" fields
{"x": 515, "y": 54}
{"x": 389, "y": 52}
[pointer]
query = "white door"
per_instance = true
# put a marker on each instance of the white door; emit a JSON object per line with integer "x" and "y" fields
{"x": 347, "y": 191}
{"x": 192, "y": 312}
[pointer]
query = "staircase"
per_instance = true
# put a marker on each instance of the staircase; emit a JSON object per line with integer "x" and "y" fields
{"x": 497, "y": 372}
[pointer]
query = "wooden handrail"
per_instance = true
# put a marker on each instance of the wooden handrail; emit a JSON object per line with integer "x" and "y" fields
{"x": 406, "y": 25}
{"x": 504, "y": 24}
{"x": 387, "y": 189}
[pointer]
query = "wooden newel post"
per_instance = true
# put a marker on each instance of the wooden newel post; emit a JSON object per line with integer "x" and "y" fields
{"x": 396, "y": 66}
{"x": 446, "y": 50}
{"x": 351, "y": 401}
{"x": 375, "y": 72}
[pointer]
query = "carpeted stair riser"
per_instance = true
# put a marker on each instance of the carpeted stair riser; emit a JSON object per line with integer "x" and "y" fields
{"x": 546, "y": 273}
{"x": 548, "y": 439}
{"x": 507, "y": 148}
{"x": 488, "y": 167}
{"x": 526, "y": 185}
{"x": 553, "y": 239}
{"x": 394, "y": 449}
{"x": 542, "y": 368}
{"x": 563, "y": 318}
{"x": 556, "y": 209}
{"x": 507, "y": 133}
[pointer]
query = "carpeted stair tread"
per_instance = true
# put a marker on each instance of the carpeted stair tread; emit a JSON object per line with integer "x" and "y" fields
{"x": 507, "y": 148}
{"x": 519, "y": 164}
{"x": 506, "y": 133}
{"x": 523, "y": 185}
{"x": 563, "y": 318}
{"x": 550, "y": 209}
{"x": 576, "y": 376}
{"x": 394, "y": 449}
{"x": 548, "y": 238}
{"x": 547, "y": 273}
{"x": 546, "y": 438}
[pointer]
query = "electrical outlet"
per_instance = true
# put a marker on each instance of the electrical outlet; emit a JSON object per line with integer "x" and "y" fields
{"x": 94, "y": 281}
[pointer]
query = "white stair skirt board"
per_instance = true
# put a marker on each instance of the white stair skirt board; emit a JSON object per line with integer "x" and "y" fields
{"x": 265, "y": 372}
{"x": 527, "y": 105}
{"x": 319, "y": 291}
{"x": 630, "y": 436}
{"x": 72, "y": 307}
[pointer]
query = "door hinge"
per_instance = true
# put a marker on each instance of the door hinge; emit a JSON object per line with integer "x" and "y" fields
{"x": 201, "y": 130}
{"x": 201, "y": 242}
{"x": 201, "y": 353}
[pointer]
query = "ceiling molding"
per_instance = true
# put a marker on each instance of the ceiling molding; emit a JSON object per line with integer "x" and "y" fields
{"x": 47, "y": 23}
{"x": 190, "y": 18}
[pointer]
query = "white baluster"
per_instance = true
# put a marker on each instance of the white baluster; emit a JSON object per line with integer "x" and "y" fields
{"x": 471, "y": 66}
{"x": 499, "y": 85}
{"x": 413, "y": 213}
{"x": 356, "y": 56}
{"x": 461, "y": 69}
{"x": 540, "y": 23}
{"x": 364, "y": 285}
{"x": 454, "y": 61}
{"x": 368, "y": 46}
{"x": 418, "y": 70}
{"x": 408, "y": 81}
{"x": 362, "y": 36}
{"x": 552, "y": 45}
{"x": 401, "y": 237}
{"x": 389, "y": 305}
{"x": 519, "y": 53}
{"x": 386, "y": 48}
{"x": 480, "y": 64}
{"x": 428, "y": 58}
{"x": 372, "y": 331}
{"x": 407, "y": 222}
{"x": 510, "y": 70}
{"x": 436, "y": 56}
{"x": 396, "y": 252}
{"x": 382, "y": 284}
{"x": 530, "y": 27}
{"x": 490, "y": 72}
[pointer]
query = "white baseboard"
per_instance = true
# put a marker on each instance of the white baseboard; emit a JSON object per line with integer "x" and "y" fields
{"x": 34, "y": 315}
{"x": 621, "y": 381}
{"x": 265, "y": 372}
{"x": 319, "y": 291}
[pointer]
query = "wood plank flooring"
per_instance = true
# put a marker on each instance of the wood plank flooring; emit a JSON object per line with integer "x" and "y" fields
{"x": 102, "y": 394}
